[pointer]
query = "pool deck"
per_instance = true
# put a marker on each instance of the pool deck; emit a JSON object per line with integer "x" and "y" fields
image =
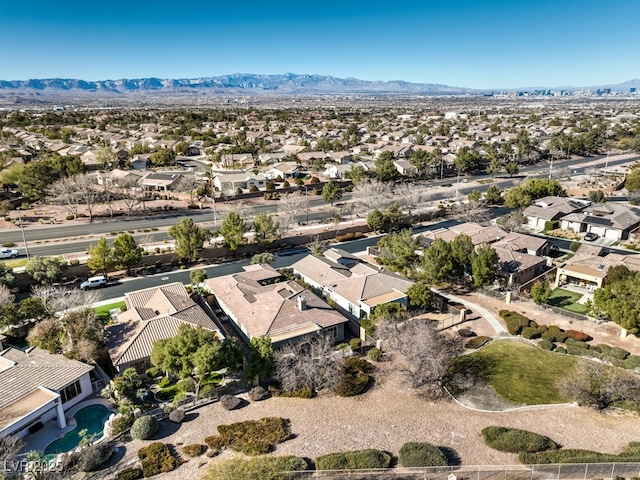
{"x": 50, "y": 431}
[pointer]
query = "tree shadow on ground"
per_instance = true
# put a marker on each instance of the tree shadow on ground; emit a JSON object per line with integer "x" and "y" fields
{"x": 167, "y": 428}
{"x": 452, "y": 456}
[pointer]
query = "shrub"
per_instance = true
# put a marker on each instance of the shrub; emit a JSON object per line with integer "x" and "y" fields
{"x": 513, "y": 440}
{"x": 214, "y": 442}
{"x": 554, "y": 334}
{"x": 466, "y": 333}
{"x": 177, "y": 415}
{"x": 257, "y": 394}
{"x": 194, "y": 450}
{"x": 253, "y": 189}
{"x": 578, "y": 335}
{"x": 570, "y": 342}
{"x": 206, "y": 390}
{"x": 574, "y": 246}
{"x": 632, "y": 362}
{"x": 546, "y": 345}
{"x": 421, "y": 454}
{"x": 515, "y": 321}
{"x": 560, "y": 350}
{"x": 305, "y": 392}
{"x": 156, "y": 458}
{"x": 252, "y": 437}
{"x": 355, "y": 343}
{"x": 120, "y": 423}
{"x": 477, "y": 342}
{"x": 74, "y": 262}
{"x": 69, "y": 217}
{"x": 354, "y": 460}
{"x": 271, "y": 186}
{"x": 314, "y": 180}
{"x": 619, "y": 353}
{"x": 130, "y": 474}
{"x": 631, "y": 454}
{"x": 229, "y": 402}
{"x": 91, "y": 458}
{"x": 550, "y": 225}
{"x": 354, "y": 377}
{"x": 375, "y": 354}
{"x": 256, "y": 468}
{"x": 144, "y": 427}
{"x": 165, "y": 382}
{"x": 186, "y": 385}
{"x": 286, "y": 184}
{"x": 349, "y": 236}
{"x": 530, "y": 333}
{"x": 153, "y": 372}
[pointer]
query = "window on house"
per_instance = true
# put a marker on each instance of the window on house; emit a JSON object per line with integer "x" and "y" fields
{"x": 71, "y": 391}
{"x": 332, "y": 331}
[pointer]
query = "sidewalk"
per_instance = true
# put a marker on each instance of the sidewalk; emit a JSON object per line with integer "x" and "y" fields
{"x": 486, "y": 314}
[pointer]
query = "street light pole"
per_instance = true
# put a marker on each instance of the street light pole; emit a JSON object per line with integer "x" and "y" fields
{"x": 458, "y": 185}
{"x": 306, "y": 196}
{"x": 24, "y": 239}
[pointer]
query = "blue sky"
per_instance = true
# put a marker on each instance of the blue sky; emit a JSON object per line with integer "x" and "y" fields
{"x": 477, "y": 44}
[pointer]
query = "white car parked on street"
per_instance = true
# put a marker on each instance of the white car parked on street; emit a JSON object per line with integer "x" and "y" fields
{"x": 8, "y": 253}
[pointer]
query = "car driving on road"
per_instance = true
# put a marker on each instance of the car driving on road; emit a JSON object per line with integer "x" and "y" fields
{"x": 94, "y": 282}
{"x": 8, "y": 253}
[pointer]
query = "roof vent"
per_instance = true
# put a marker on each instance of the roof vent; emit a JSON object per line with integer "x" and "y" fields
{"x": 302, "y": 303}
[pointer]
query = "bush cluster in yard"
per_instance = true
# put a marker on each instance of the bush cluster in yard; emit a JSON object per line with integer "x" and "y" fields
{"x": 354, "y": 460}
{"x": 375, "y": 354}
{"x": 421, "y": 454}
{"x": 251, "y": 437}
{"x": 260, "y": 467}
{"x": 354, "y": 377}
{"x": 513, "y": 440}
{"x": 144, "y": 427}
{"x": 156, "y": 458}
{"x": 477, "y": 342}
{"x": 302, "y": 393}
{"x": 515, "y": 321}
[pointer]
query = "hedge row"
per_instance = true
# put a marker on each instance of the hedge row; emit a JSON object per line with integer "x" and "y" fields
{"x": 354, "y": 460}
{"x": 421, "y": 454}
{"x": 477, "y": 342}
{"x": 513, "y": 440}
{"x": 630, "y": 455}
{"x": 515, "y": 321}
{"x": 261, "y": 467}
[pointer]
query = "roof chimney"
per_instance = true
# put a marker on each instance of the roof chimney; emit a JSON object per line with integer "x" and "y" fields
{"x": 302, "y": 303}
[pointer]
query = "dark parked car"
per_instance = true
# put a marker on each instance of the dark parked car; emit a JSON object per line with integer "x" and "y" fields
{"x": 590, "y": 237}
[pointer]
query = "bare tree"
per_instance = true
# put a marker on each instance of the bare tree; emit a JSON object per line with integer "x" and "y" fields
{"x": 289, "y": 207}
{"x": 371, "y": 195}
{"x": 408, "y": 198}
{"x": 307, "y": 364}
{"x": 64, "y": 192}
{"x": 189, "y": 185}
{"x": 88, "y": 191}
{"x": 6, "y": 297}
{"x": 10, "y": 448}
{"x": 61, "y": 300}
{"x": 421, "y": 353}
{"x": 317, "y": 246}
{"x": 472, "y": 212}
{"x": 128, "y": 192}
{"x": 601, "y": 386}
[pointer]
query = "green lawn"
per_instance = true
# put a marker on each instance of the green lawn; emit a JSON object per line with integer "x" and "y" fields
{"x": 518, "y": 372}
{"x": 19, "y": 262}
{"x": 567, "y": 299}
{"x": 103, "y": 311}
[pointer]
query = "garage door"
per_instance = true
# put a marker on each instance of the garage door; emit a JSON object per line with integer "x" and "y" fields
{"x": 613, "y": 234}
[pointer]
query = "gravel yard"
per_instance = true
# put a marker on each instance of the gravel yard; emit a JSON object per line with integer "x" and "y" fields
{"x": 388, "y": 415}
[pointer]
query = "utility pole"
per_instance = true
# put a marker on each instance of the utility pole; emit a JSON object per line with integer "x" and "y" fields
{"x": 24, "y": 238}
{"x": 306, "y": 196}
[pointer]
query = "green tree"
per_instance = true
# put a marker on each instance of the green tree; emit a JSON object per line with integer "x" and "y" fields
{"x": 331, "y": 192}
{"x": 357, "y": 174}
{"x": 262, "y": 257}
{"x": 438, "y": 263}
{"x": 106, "y": 157}
{"x": 100, "y": 256}
{"x": 597, "y": 196}
{"x": 386, "y": 171}
{"x": 7, "y": 277}
{"x": 462, "y": 251}
{"x": 632, "y": 180}
{"x": 467, "y": 160}
{"x": 126, "y": 252}
{"x": 494, "y": 167}
{"x": 182, "y": 148}
{"x": 376, "y": 221}
{"x": 34, "y": 179}
{"x": 189, "y": 238}
{"x": 197, "y": 277}
{"x": 474, "y": 196}
{"x": 398, "y": 251}
{"x": 232, "y": 230}
{"x": 493, "y": 195}
{"x": 421, "y": 160}
{"x": 484, "y": 265}
{"x": 45, "y": 269}
{"x": 163, "y": 157}
{"x": 512, "y": 168}
{"x": 261, "y": 363}
{"x": 619, "y": 300}
{"x": 266, "y": 228}
{"x": 420, "y": 295}
{"x": 540, "y": 292}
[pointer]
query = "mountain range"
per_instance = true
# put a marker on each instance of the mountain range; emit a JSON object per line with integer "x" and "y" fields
{"x": 239, "y": 84}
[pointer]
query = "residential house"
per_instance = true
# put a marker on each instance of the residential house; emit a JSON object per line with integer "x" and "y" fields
{"x": 476, "y": 232}
{"x": 230, "y": 182}
{"x": 609, "y": 220}
{"x": 355, "y": 286}
{"x": 517, "y": 242}
{"x": 549, "y": 209}
{"x": 518, "y": 268}
{"x": 405, "y": 168}
{"x": 307, "y": 158}
{"x": 272, "y": 158}
{"x": 259, "y": 302}
{"x": 37, "y": 386}
{"x": 589, "y": 270}
{"x": 153, "y": 314}
{"x": 341, "y": 157}
{"x": 117, "y": 177}
{"x": 237, "y": 160}
{"x": 160, "y": 181}
{"x": 283, "y": 170}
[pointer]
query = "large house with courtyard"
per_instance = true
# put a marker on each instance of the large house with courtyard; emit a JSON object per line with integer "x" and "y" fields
{"x": 37, "y": 386}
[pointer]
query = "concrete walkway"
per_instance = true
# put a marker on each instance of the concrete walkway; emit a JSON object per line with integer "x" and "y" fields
{"x": 486, "y": 314}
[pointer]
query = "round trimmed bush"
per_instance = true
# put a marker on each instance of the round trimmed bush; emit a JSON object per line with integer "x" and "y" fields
{"x": 355, "y": 342}
{"x": 144, "y": 427}
{"x": 546, "y": 345}
{"x": 375, "y": 354}
{"x": 421, "y": 454}
{"x": 514, "y": 440}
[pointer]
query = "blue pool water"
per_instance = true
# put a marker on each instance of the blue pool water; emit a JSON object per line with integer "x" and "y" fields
{"x": 91, "y": 418}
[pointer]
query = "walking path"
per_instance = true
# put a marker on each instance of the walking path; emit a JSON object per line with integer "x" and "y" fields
{"x": 486, "y": 314}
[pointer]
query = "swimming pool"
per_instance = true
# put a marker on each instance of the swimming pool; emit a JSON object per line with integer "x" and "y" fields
{"x": 92, "y": 418}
